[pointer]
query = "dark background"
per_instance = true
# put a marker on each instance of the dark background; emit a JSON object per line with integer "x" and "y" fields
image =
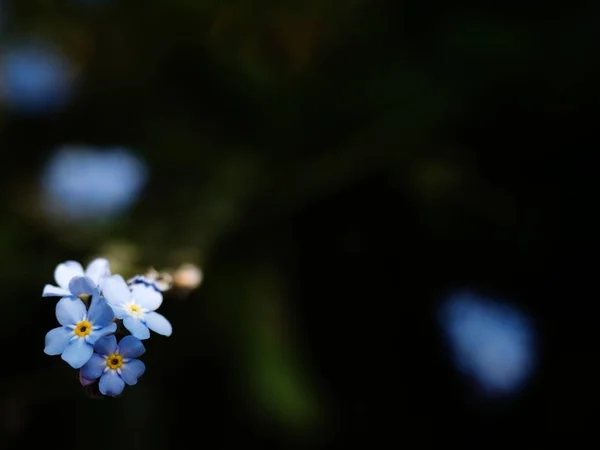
{"x": 335, "y": 168}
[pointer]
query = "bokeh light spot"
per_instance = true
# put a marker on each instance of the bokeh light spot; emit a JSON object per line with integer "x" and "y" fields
{"x": 34, "y": 78}
{"x": 91, "y": 184}
{"x": 492, "y": 343}
{"x": 187, "y": 276}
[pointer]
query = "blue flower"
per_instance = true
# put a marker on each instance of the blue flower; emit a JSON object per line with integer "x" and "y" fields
{"x": 115, "y": 364}
{"x": 80, "y": 329}
{"x": 136, "y": 305}
{"x": 73, "y": 281}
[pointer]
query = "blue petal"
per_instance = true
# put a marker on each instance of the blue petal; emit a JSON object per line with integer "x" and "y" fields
{"x": 157, "y": 323}
{"x": 100, "y": 313}
{"x": 132, "y": 370}
{"x": 115, "y": 290}
{"x": 141, "y": 279}
{"x": 98, "y": 269}
{"x": 120, "y": 312}
{"x": 65, "y": 272}
{"x": 131, "y": 347}
{"x": 77, "y": 353}
{"x": 70, "y": 310}
{"x": 94, "y": 367}
{"x": 54, "y": 291}
{"x": 111, "y": 383}
{"x": 136, "y": 327}
{"x": 106, "y": 345}
{"x": 97, "y": 334}
{"x": 136, "y": 279}
{"x": 57, "y": 340}
{"x": 95, "y": 297}
{"x": 146, "y": 296}
{"x": 82, "y": 286}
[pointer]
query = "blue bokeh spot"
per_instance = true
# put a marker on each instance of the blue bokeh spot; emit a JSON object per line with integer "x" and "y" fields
{"x": 88, "y": 183}
{"x": 34, "y": 78}
{"x": 492, "y": 343}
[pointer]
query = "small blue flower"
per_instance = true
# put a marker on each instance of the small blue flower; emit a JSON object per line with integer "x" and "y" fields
{"x": 115, "y": 364}
{"x": 136, "y": 305}
{"x": 80, "y": 329}
{"x": 73, "y": 281}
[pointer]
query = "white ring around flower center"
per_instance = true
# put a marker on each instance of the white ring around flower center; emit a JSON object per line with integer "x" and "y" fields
{"x": 134, "y": 309}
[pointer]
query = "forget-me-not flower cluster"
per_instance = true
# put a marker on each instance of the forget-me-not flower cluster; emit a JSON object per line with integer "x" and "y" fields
{"x": 94, "y": 307}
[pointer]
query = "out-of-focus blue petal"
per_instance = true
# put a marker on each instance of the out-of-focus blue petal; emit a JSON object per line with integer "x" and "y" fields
{"x": 131, "y": 347}
{"x": 106, "y": 345}
{"x": 98, "y": 269}
{"x": 148, "y": 282}
{"x": 138, "y": 279}
{"x": 57, "y": 340}
{"x": 136, "y": 327}
{"x": 55, "y": 291}
{"x": 77, "y": 353}
{"x": 132, "y": 370}
{"x": 65, "y": 272}
{"x": 115, "y": 290}
{"x": 158, "y": 323}
{"x": 100, "y": 313}
{"x": 82, "y": 285}
{"x": 69, "y": 311}
{"x": 94, "y": 367}
{"x": 35, "y": 77}
{"x": 491, "y": 342}
{"x": 111, "y": 383}
{"x": 97, "y": 334}
{"x": 146, "y": 296}
{"x": 88, "y": 184}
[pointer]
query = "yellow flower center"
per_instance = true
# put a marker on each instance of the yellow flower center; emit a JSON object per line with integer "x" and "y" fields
{"x": 114, "y": 361}
{"x": 83, "y": 328}
{"x": 135, "y": 310}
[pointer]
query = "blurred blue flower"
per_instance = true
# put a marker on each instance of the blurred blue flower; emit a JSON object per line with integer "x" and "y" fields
{"x": 73, "y": 281}
{"x": 88, "y": 184}
{"x": 490, "y": 342}
{"x": 141, "y": 280}
{"x": 115, "y": 364}
{"x": 34, "y": 78}
{"x": 136, "y": 305}
{"x": 79, "y": 329}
